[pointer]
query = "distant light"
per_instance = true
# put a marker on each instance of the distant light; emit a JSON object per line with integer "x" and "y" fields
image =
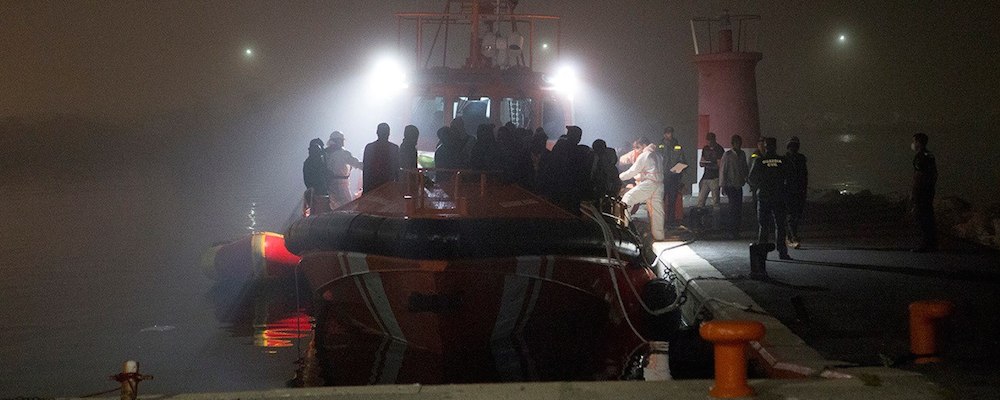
{"x": 545, "y": 45}
{"x": 847, "y": 138}
{"x": 248, "y": 52}
{"x": 842, "y": 38}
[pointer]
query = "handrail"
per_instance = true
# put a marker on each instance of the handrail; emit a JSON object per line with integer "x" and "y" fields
{"x": 425, "y": 195}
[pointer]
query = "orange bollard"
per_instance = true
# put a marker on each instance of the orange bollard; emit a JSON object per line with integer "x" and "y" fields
{"x": 923, "y": 337}
{"x": 730, "y": 339}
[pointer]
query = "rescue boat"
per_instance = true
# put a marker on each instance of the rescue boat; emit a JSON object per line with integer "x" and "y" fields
{"x": 456, "y": 277}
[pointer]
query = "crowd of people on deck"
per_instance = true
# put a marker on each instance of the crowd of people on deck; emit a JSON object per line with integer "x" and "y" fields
{"x": 569, "y": 173}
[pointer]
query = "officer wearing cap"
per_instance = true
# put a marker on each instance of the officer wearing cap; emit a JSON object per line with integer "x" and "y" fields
{"x": 797, "y": 183}
{"x": 768, "y": 174}
{"x": 339, "y": 163}
{"x": 673, "y": 160}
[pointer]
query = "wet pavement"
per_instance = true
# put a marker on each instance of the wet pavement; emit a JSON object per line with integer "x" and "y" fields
{"x": 847, "y": 291}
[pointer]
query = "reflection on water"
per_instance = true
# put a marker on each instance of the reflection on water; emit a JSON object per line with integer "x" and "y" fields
{"x": 267, "y": 309}
{"x": 282, "y": 332}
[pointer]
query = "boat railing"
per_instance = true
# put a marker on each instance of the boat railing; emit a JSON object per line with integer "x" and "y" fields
{"x": 442, "y": 191}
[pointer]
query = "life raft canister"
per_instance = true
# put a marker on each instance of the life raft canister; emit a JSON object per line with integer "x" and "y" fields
{"x": 257, "y": 255}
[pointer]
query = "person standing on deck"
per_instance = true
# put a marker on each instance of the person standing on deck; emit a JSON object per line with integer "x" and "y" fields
{"x": 565, "y": 171}
{"x": 603, "y": 173}
{"x": 339, "y": 163}
{"x": 381, "y": 161}
{"x": 408, "y": 148}
{"x": 314, "y": 177}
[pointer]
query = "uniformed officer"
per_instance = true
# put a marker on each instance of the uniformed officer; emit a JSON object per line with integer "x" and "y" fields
{"x": 924, "y": 180}
{"x": 768, "y": 174}
{"x": 672, "y": 155}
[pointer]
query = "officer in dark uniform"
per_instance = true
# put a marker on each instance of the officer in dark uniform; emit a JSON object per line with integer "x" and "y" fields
{"x": 768, "y": 174}
{"x": 672, "y": 154}
{"x": 924, "y": 180}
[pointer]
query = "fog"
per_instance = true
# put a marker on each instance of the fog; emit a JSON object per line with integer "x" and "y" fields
{"x": 135, "y": 134}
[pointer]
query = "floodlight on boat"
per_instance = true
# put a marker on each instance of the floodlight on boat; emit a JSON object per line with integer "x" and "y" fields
{"x": 566, "y": 80}
{"x": 388, "y": 77}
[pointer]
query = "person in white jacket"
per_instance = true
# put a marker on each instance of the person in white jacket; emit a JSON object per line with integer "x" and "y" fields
{"x": 648, "y": 172}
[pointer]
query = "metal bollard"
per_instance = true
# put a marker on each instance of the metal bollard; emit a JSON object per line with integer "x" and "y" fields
{"x": 923, "y": 337}
{"x": 730, "y": 339}
{"x": 758, "y": 259}
{"x": 130, "y": 378}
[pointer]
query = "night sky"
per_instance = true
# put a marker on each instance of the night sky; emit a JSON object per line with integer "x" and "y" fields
{"x": 904, "y": 65}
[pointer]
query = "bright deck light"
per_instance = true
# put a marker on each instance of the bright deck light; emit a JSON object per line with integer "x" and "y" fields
{"x": 388, "y": 77}
{"x": 566, "y": 81}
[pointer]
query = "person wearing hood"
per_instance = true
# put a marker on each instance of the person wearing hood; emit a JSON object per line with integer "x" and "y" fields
{"x": 339, "y": 163}
{"x": 648, "y": 172}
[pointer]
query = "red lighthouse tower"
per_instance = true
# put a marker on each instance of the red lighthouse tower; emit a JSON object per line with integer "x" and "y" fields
{"x": 727, "y": 84}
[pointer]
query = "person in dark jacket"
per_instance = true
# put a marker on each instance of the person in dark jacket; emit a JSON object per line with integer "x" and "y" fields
{"x": 314, "y": 176}
{"x": 484, "y": 155}
{"x": 798, "y": 184}
{"x": 565, "y": 173}
{"x": 732, "y": 177}
{"x": 604, "y": 172}
{"x": 673, "y": 158}
{"x": 380, "y": 161}
{"x": 408, "y": 148}
{"x": 537, "y": 149}
{"x": 768, "y": 174}
{"x": 314, "y": 168}
{"x": 924, "y": 181}
{"x": 709, "y": 184}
